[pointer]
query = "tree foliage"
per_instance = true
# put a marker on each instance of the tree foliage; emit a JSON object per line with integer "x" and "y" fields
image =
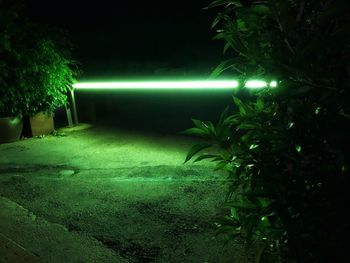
{"x": 285, "y": 150}
{"x": 36, "y": 69}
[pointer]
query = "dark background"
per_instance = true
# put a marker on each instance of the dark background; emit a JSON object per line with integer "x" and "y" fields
{"x": 135, "y": 40}
{"x": 120, "y": 38}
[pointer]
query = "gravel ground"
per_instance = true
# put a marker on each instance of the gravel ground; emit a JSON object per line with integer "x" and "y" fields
{"x": 93, "y": 194}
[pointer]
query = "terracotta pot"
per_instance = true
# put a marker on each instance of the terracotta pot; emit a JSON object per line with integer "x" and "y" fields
{"x": 10, "y": 129}
{"x": 40, "y": 124}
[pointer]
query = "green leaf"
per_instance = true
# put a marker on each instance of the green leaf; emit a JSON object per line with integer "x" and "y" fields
{"x": 204, "y": 156}
{"x": 210, "y": 126}
{"x": 264, "y": 202}
{"x": 195, "y": 131}
{"x": 217, "y": 19}
{"x": 221, "y": 68}
{"x": 247, "y": 126}
{"x": 259, "y": 105}
{"x": 234, "y": 213}
{"x": 242, "y": 205}
{"x": 217, "y": 158}
{"x": 223, "y": 116}
{"x": 242, "y": 108}
{"x": 226, "y": 47}
{"x": 219, "y": 36}
{"x": 233, "y": 37}
{"x": 199, "y": 124}
{"x": 232, "y": 119}
{"x": 217, "y": 3}
{"x": 220, "y": 165}
{"x": 195, "y": 149}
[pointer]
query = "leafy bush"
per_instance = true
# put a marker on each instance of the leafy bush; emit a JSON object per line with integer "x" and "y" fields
{"x": 47, "y": 76}
{"x": 285, "y": 150}
{"x": 35, "y": 68}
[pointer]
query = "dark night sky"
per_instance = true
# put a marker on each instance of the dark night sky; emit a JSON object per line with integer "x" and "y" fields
{"x": 135, "y": 37}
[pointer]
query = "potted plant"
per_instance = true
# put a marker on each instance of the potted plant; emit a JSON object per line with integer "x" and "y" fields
{"x": 35, "y": 73}
{"x": 48, "y": 78}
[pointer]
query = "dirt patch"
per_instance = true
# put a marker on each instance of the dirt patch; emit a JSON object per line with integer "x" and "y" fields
{"x": 18, "y": 186}
{"x": 178, "y": 223}
{"x": 130, "y": 249}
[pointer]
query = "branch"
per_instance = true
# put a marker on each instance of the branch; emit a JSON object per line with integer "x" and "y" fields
{"x": 281, "y": 28}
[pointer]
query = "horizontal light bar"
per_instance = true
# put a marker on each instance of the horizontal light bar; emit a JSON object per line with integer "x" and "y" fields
{"x": 252, "y": 84}
{"x": 173, "y": 85}
{"x": 159, "y": 85}
{"x": 258, "y": 84}
{"x": 273, "y": 84}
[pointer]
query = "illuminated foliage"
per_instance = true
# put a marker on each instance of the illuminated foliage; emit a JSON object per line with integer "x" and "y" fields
{"x": 35, "y": 69}
{"x": 47, "y": 78}
{"x": 285, "y": 150}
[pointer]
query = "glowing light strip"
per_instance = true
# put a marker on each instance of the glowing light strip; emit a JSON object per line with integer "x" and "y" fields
{"x": 258, "y": 84}
{"x": 255, "y": 84}
{"x": 158, "y": 85}
{"x": 166, "y": 85}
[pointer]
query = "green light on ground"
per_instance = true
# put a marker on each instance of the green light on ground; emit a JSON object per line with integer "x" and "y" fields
{"x": 159, "y": 85}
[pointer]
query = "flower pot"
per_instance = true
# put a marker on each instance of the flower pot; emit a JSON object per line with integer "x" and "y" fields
{"x": 10, "y": 129}
{"x": 39, "y": 124}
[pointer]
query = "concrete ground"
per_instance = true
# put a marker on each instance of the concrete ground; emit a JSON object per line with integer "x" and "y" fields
{"x": 96, "y": 194}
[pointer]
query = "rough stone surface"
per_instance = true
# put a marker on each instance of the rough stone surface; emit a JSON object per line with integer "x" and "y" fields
{"x": 52, "y": 242}
{"x": 104, "y": 195}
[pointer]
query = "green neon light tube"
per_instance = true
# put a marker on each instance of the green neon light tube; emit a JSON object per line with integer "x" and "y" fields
{"x": 151, "y": 85}
{"x": 259, "y": 84}
{"x": 273, "y": 84}
{"x": 173, "y": 85}
{"x": 255, "y": 84}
